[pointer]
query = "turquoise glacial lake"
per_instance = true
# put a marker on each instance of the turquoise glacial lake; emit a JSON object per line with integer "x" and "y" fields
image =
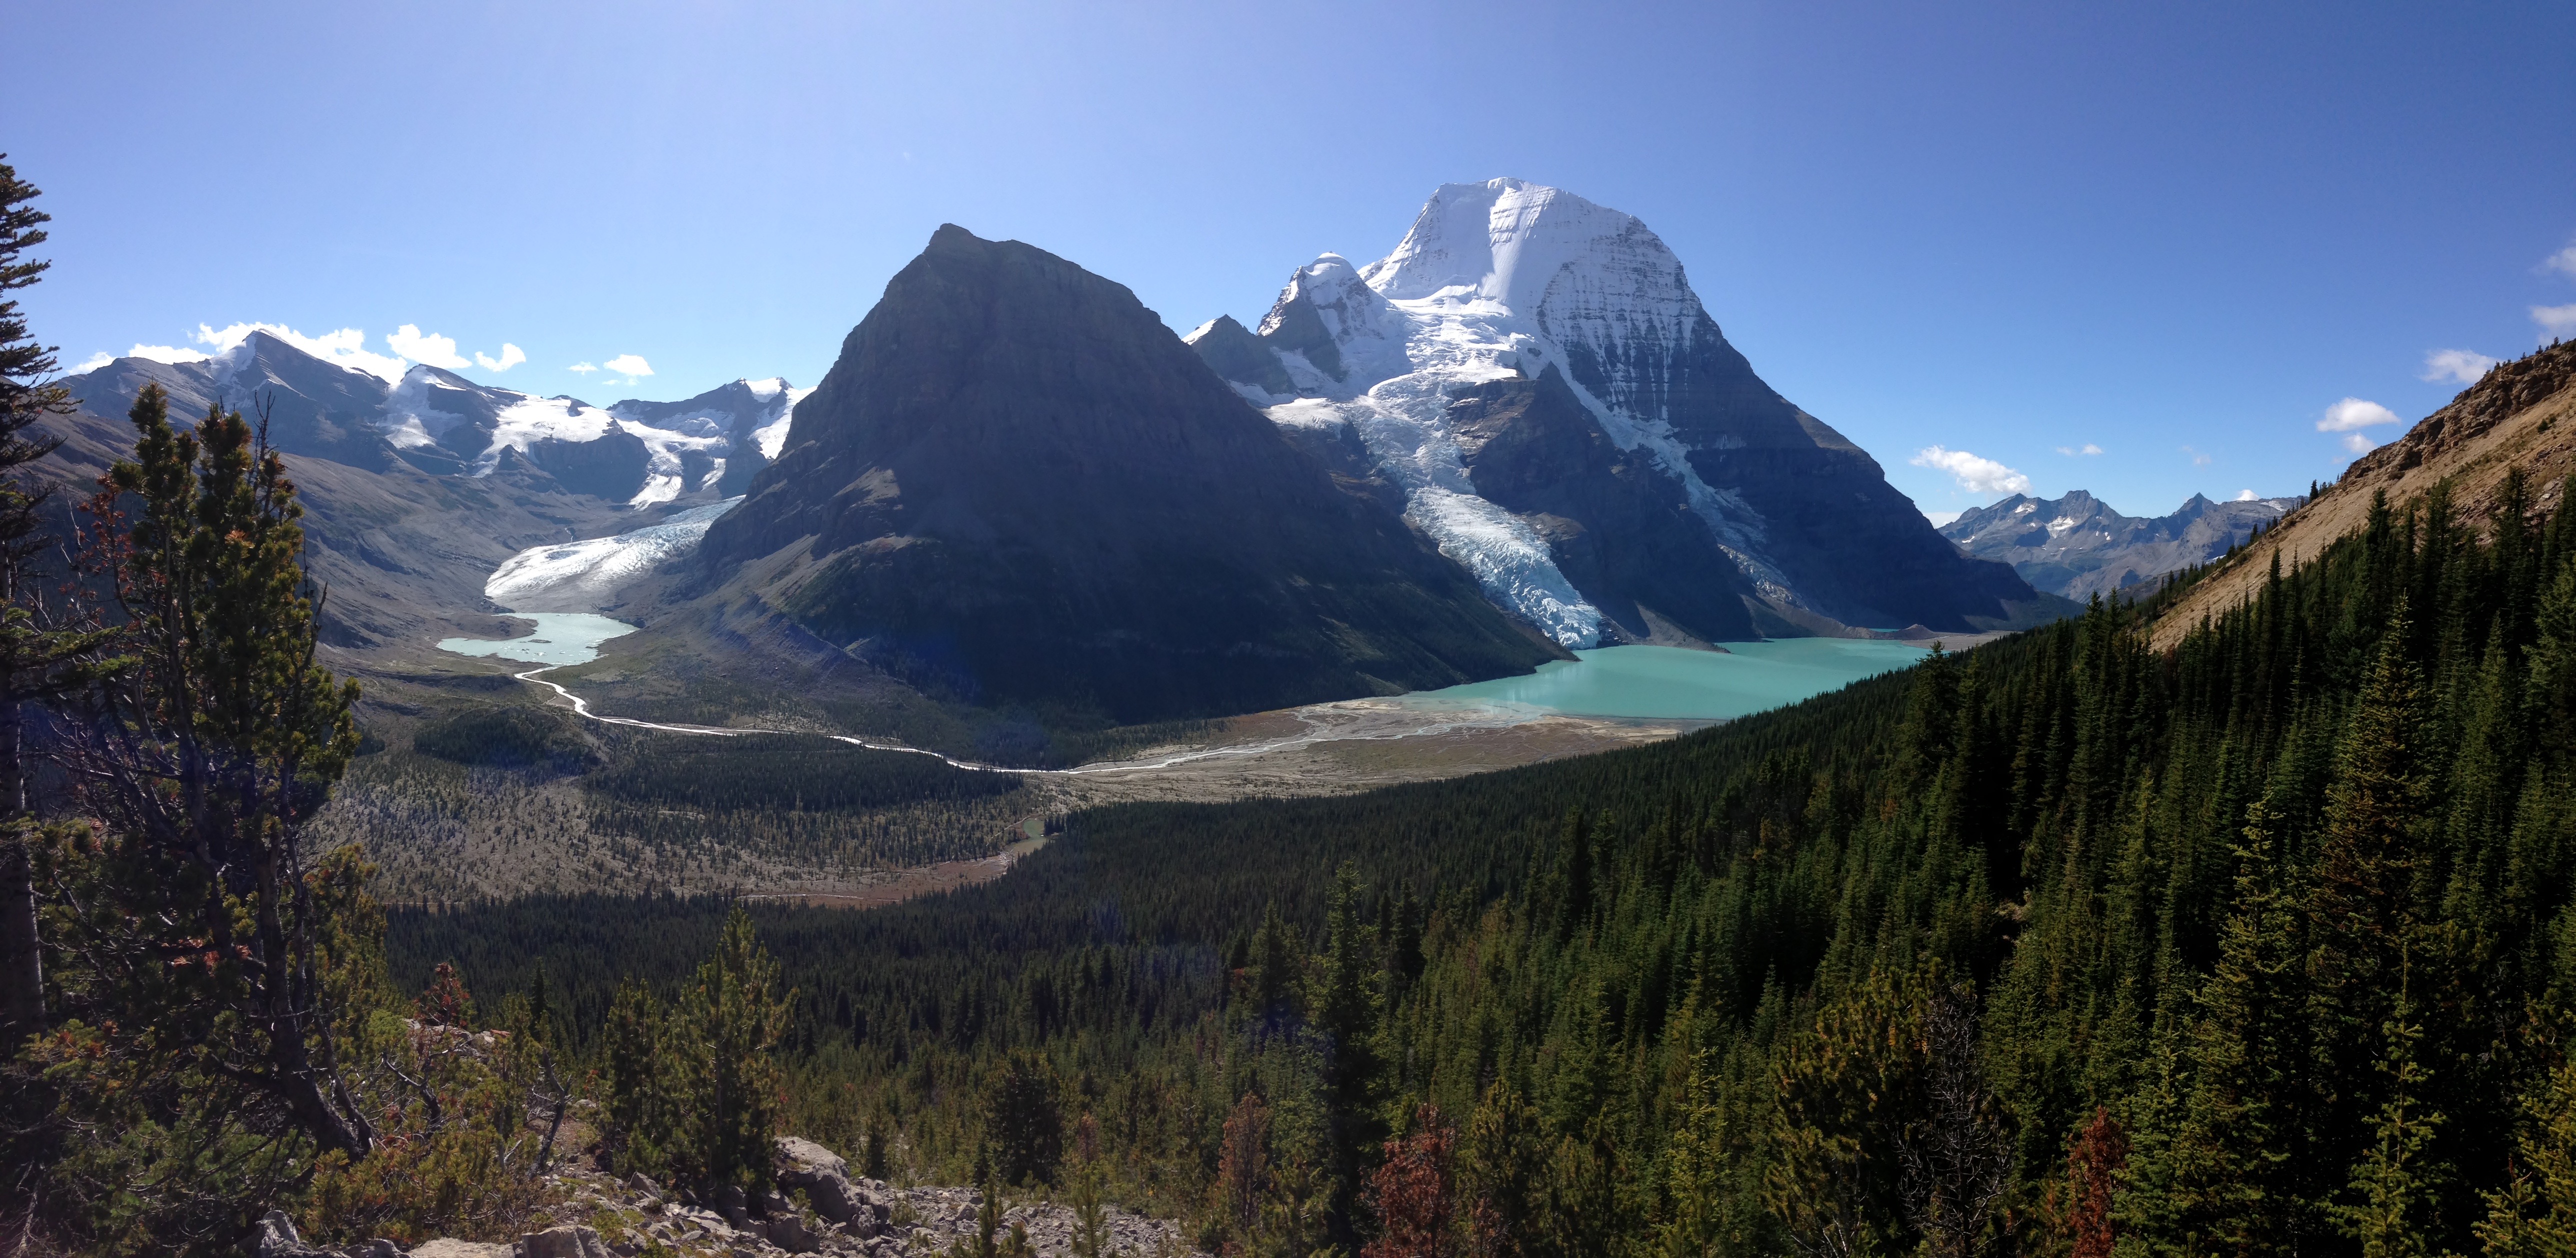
{"x": 559, "y": 638}
{"x": 1671, "y": 683}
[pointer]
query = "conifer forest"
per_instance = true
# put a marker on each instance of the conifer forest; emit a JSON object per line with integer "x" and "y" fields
{"x": 2063, "y": 947}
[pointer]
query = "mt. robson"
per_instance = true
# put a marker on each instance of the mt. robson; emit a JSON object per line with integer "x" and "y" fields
{"x": 1019, "y": 500}
{"x": 1534, "y": 376}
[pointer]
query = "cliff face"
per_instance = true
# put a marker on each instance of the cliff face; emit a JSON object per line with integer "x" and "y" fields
{"x": 1016, "y": 486}
{"x": 2521, "y": 416}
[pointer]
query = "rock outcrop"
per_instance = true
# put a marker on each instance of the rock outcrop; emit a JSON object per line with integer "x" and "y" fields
{"x": 822, "y": 1210}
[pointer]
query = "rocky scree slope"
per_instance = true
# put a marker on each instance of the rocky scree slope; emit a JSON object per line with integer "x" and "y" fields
{"x": 823, "y": 1209}
{"x": 1017, "y": 487}
{"x": 2520, "y": 416}
{"x": 2078, "y": 546}
{"x": 1516, "y": 318}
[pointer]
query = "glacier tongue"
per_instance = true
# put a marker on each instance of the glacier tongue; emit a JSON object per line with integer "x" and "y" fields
{"x": 1500, "y": 279}
{"x": 583, "y": 576}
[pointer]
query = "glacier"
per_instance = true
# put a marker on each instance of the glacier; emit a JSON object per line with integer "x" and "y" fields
{"x": 583, "y": 576}
{"x": 1495, "y": 280}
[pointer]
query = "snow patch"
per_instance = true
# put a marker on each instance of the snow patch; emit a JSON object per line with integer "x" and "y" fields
{"x": 410, "y": 421}
{"x": 772, "y": 436}
{"x": 524, "y": 423}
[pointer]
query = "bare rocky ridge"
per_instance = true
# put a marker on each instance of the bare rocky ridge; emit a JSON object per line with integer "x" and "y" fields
{"x": 2521, "y": 415}
{"x": 2078, "y": 546}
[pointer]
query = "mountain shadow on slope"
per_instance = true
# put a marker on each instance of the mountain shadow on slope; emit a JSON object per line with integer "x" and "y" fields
{"x": 1016, "y": 486}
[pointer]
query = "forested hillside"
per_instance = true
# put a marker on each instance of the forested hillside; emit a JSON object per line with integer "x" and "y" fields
{"x": 2258, "y": 945}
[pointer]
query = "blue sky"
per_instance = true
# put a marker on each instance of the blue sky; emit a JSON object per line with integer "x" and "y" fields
{"x": 2184, "y": 235}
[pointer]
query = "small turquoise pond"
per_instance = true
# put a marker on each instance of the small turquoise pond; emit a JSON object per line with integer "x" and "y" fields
{"x": 559, "y": 638}
{"x": 1674, "y": 684}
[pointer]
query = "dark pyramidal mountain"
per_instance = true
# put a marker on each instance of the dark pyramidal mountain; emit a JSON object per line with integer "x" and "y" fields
{"x": 2079, "y": 547}
{"x": 1532, "y": 377}
{"x": 1017, "y": 487}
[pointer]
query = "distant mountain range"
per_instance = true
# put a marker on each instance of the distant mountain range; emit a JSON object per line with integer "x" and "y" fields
{"x": 416, "y": 489}
{"x": 1018, "y": 492}
{"x": 2078, "y": 546}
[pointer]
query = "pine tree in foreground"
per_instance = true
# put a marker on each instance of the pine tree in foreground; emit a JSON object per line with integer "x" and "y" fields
{"x": 201, "y": 964}
{"x": 41, "y": 660}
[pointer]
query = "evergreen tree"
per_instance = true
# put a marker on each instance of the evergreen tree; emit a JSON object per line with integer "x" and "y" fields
{"x": 206, "y": 760}
{"x": 635, "y": 1075}
{"x": 1024, "y": 1119}
{"x": 731, "y": 1020}
{"x": 41, "y": 660}
{"x": 2235, "y": 1170}
{"x": 2395, "y": 1180}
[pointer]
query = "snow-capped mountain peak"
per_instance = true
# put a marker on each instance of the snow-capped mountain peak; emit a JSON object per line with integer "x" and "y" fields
{"x": 1494, "y": 281}
{"x": 1509, "y": 280}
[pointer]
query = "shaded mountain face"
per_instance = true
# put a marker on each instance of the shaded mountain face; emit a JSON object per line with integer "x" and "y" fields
{"x": 2078, "y": 546}
{"x": 1786, "y": 523}
{"x": 1017, "y": 487}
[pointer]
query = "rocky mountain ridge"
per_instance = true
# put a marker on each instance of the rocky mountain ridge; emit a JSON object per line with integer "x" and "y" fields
{"x": 2078, "y": 546}
{"x": 633, "y": 453}
{"x": 2519, "y": 417}
{"x": 416, "y": 490}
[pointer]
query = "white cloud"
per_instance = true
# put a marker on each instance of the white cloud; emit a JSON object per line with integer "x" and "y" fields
{"x": 2352, "y": 413}
{"x": 629, "y": 366}
{"x": 2357, "y": 443}
{"x": 1976, "y": 475}
{"x": 344, "y": 347}
{"x": 2086, "y": 448}
{"x": 1941, "y": 519}
{"x": 2563, "y": 261}
{"x": 166, "y": 353}
{"x": 2246, "y": 495}
{"x": 2462, "y": 365}
{"x": 427, "y": 347}
{"x": 582, "y": 369}
{"x": 2556, "y": 320}
{"x": 96, "y": 361}
{"x": 511, "y": 356}
{"x": 2198, "y": 459}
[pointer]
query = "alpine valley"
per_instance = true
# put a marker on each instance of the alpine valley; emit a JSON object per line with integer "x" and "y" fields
{"x": 2231, "y": 912}
{"x": 1020, "y": 510}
